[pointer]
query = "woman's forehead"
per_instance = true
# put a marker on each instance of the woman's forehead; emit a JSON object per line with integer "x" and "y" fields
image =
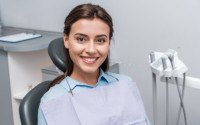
{"x": 90, "y": 26}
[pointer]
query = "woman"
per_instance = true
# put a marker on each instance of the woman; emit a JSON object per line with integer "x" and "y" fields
{"x": 87, "y": 94}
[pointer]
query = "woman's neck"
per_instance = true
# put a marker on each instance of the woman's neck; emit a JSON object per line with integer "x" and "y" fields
{"x": 88, "y": 78}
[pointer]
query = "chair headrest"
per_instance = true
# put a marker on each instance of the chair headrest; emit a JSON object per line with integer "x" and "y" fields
{"x": 57, "y": 50}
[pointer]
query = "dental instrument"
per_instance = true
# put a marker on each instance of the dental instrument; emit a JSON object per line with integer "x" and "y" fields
{"x": 167, "y": 65}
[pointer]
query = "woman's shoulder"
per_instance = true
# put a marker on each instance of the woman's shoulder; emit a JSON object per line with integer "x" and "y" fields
{"x": 120, "y": 77}
{"x": 54, "y": 92}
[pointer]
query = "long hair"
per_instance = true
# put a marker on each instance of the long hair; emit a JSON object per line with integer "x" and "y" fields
{"x": 84, "y": 11}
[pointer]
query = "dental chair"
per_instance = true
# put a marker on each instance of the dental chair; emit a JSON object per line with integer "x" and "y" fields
{"x": 28, "y": 108}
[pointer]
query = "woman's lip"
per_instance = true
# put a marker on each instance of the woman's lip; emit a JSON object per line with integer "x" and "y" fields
{"x": 89, "y": 60}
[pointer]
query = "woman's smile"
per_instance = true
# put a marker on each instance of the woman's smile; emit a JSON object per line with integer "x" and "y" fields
{"x": 89, "y": 60}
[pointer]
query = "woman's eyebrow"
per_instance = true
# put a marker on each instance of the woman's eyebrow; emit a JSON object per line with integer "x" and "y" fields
{"x": 102, "y": 35}
{"x": 81, "y": 34}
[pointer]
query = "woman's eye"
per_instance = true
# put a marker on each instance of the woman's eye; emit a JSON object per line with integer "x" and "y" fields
{"x": 101, "y": 40}
{"x": 80, "y": 39}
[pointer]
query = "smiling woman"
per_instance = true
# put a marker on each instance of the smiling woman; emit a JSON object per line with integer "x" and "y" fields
{"x": 87, "y": 94}
{"x": 88, "y": 44}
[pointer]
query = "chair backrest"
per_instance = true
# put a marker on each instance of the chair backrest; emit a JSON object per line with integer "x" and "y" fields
{"x": 28, "y": 108}
{"x": 56, "y": 52}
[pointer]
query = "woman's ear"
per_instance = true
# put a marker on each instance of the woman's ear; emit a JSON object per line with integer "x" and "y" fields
{"x": 66, "y": 40}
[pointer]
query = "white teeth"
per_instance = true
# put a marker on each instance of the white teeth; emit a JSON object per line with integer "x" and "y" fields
{"x": 89, "y": 60}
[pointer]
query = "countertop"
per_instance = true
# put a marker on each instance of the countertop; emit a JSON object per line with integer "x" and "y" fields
{"x": 28, "y": 45}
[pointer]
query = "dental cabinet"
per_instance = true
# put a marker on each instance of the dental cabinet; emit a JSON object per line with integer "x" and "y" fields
{"x": 20, "y": 69}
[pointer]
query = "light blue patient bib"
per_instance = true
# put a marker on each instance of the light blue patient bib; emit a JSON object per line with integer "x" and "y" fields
{"x": 113, "y": 104}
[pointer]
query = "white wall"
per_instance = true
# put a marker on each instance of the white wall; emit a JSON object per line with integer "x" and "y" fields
{"x": 140, "y": 27}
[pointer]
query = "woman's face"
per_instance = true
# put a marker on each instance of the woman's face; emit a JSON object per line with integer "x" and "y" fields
{"x": 88, "y": 44}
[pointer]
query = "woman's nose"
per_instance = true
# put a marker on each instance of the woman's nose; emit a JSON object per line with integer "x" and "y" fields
{"x": 91, "y": 48}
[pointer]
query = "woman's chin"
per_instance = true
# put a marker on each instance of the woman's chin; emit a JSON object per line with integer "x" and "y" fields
{"x": 90, "y": 70}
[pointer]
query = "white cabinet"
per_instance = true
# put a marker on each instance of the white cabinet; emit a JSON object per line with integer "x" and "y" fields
{"x": 24, "y": 71}
{"x": 20, "y": 68}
